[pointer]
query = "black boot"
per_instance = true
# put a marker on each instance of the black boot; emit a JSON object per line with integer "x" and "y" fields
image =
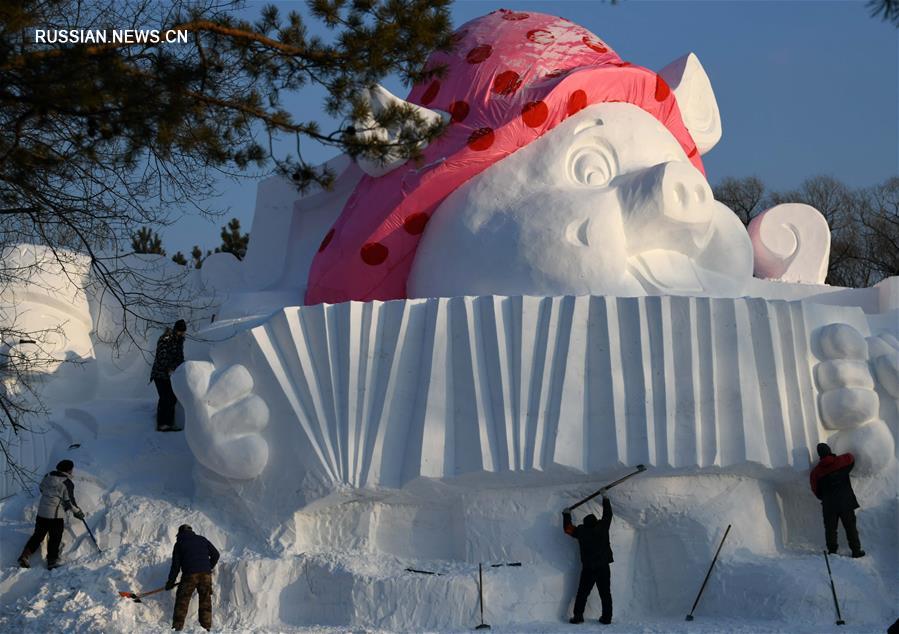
{"x": 576, "y": 619}
{"x": 23, "y": 559}
{"x": 858, "y": 553}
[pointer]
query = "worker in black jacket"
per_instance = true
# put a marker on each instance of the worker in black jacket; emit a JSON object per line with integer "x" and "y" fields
{"x": 195, "y": 557}
{"x": 596, "y": 555}
{"x": 169, "y": 355}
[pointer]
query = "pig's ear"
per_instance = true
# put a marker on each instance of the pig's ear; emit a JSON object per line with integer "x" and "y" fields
{"x": 379, "y": 99}
{"x": 696, "y": 100}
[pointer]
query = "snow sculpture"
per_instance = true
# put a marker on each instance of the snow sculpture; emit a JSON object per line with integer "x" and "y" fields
{"x": 226, "y": 421}
{"x": 54, "y": 305}
{"x": 380, "y": 395}
{"x": 595, "y": 208}
{"x": 355, "y": 439}
{"x": 540, "y": 187}
{"x": 624, "y": 181}
{"x": 77, "y": 323}
{"x": 791, "y": 243}
{"x": 847, "y": 397}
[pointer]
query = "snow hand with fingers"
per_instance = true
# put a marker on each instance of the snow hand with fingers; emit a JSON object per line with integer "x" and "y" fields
{"x": 224, "y": 418}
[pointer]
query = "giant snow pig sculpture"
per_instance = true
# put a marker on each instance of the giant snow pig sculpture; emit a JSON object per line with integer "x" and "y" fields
{"x": 564, "y": 171}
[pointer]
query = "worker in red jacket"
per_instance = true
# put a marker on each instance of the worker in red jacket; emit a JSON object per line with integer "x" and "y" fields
{"x": 830, "y": 484}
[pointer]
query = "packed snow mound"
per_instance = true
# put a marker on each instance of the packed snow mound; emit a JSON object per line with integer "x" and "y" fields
{"x": 348, "y": 566}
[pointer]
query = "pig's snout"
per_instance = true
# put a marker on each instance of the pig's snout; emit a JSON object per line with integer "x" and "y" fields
{"x": 686, "y": 195}
{"x": 668, "y": 206}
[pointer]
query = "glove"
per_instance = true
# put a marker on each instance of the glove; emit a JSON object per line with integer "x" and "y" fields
{"x": 169, "y": 584}
{"x": 566, "y": 511}
{"x": 604, "y": 492}
{"x": 79, "y": 515}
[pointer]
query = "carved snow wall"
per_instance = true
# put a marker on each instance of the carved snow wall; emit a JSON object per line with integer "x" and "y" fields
{"x": 379, "y": 394}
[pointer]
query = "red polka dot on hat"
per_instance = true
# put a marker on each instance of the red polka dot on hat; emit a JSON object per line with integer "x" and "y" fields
{"x": 594, "y": 44}
{"x": 479, "y": 54}
{"x": 577, "y": 102}
{"x": 431, "y": 92}
{"x": 458, "y": 111}
{"x": 540, "y": 36}
{"x": 662, "y": 89}
{"x": 481, "y": 139}
{"x": 506, "y": 82}
{"x": 415, "y": 223}
{"x": 373, "y": 253}
{"x": 534, "y": 113}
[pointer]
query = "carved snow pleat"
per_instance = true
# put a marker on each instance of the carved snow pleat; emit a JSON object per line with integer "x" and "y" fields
{"x": 808, "y": 421}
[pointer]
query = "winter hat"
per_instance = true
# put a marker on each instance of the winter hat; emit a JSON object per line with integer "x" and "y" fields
{"x": 590, "y": 520}
{"x": 185, "y": 528}
{"x": 180, "y": 326}
{"x": 65, "y": 466}
{"x": 824, "y": 450}
{"x": 511, "y": 77}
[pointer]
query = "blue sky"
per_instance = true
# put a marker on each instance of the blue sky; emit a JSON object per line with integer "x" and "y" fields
{"x": 804, "y": 87}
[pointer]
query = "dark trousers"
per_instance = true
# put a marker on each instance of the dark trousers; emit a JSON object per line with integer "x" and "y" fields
{"x": 42, "y": 527}
{"x": 601, "y": 577}
{"x": 202, "y": 583}
{"x": 165, "y": 411}
{"x": 831, "y": 518}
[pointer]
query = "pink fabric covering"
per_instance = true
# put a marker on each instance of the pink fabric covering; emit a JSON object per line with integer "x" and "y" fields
{"x": 512, "y": 77}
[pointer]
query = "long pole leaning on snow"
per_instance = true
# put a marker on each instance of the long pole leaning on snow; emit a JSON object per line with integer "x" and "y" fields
{"x": 640, "y": 469}
{"x": 708, "y": 574}
{"x": 482, "y": 626}
{"x": 833, "y": 591}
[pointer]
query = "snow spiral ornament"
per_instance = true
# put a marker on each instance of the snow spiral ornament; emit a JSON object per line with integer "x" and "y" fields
{"x": 791, "y": 243}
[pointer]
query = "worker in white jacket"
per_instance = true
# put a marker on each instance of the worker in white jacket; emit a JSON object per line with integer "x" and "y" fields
{"x": 57, "y": 498}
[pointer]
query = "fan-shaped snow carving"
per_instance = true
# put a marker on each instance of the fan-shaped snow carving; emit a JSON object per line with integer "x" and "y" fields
{"x": 791, "y": 244}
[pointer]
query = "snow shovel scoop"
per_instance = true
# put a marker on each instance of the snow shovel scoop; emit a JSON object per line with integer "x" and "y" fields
{"x": 137, "y": 597}
{"x": 640, "y": 469}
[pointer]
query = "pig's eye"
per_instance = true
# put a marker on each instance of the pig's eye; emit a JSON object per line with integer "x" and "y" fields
{"x": 593, "y": 166}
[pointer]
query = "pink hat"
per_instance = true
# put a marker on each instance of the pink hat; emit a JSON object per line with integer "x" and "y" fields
{"x": 511, "y": 78}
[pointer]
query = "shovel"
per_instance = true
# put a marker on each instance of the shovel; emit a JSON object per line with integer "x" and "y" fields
{"x": 137, "y": 597}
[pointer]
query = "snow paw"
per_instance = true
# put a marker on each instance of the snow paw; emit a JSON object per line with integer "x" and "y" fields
{"x": 884, "y": 355}
{"x": 224, "y": 418}
{"x": 848, "y": 400}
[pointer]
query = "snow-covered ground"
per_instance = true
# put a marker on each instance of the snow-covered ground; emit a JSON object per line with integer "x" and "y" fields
{"x": 138, "y": 485}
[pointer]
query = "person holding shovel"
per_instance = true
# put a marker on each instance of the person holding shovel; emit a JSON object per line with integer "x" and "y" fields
{"x": 194, "y": 557}
{"x": 596, "y": 555}
{"x": 57, "y": 498}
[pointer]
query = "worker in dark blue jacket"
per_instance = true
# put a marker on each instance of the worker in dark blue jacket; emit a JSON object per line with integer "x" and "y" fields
{"x": 596, "y": 555}
{"x": 194, "y": 557}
